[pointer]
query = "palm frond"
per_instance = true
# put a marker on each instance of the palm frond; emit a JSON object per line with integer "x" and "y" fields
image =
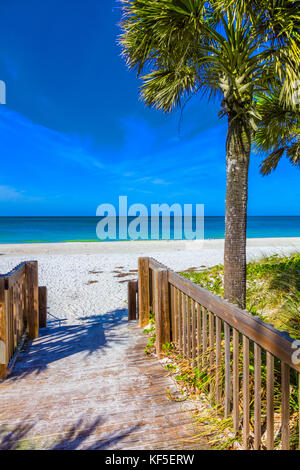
{"x": 271, "y": 162}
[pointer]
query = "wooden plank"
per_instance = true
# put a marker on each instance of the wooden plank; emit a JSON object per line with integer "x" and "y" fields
{"x": 180, "y": 323}
{"x": 270, "y": 401}
{"x": 33, "y": 299}
{"x": 176, "y": 313}
{"x": 144, "y": 291}
{"x": 285, "y": 409}
{"x": 204, "y": 337}
{"x": 165, "y": 308}
{"x": 257, "y": 397}
{"x": 131, "y": 300}
{"x": 3, "y": 331}
{"x": 188, "y": 328}
{"x": 162, "y": 319}
{"x": 227, "y": 399}
{"x": 199, "y": 337}
{"x": 211, "y": 333}
{"x": 218, "y": 361}
{"x": 157, "y": 307}
{"x": 193, "y": 334}
{"x": 43, "y": 305}
{"x": 171, "y": 303}
{"x": 184, "y": 325}
{"x": 274, "y": 341}
{"x": 235, "y": 381}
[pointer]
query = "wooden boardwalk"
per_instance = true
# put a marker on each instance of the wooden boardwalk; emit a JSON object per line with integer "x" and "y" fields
{"x": 90, "y": 386}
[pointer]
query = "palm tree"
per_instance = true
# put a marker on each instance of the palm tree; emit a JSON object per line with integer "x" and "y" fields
{"x": 278, "y": 133}
{"x": 184, "y": 47}
{"x": 279, "y": 19}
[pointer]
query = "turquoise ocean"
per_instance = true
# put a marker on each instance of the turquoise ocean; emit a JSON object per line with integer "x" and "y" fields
{"x": 76, "y": 229}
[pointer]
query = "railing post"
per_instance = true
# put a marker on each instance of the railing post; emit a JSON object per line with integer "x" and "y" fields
{"x": 132, "y": 288}
{"x": 43, "y": 306}
{"x": 144, "y": 292}
{"x": 32, "y": 299}
{"x": 162, "y": 310}
{"x": 3, "y": 332}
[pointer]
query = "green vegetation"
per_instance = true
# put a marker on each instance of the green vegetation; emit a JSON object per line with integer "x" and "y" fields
{"x": 150, "y": 331}
{"x": 273, "y": 289}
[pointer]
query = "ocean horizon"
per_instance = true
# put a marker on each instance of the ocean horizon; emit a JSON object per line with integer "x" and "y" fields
{"x": 83, "y": 228}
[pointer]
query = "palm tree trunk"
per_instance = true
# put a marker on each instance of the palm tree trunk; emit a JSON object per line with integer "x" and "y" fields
{"x": 237, "y": 160}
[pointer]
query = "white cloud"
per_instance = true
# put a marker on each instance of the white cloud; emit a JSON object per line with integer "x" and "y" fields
{"x": 9, "y": 194}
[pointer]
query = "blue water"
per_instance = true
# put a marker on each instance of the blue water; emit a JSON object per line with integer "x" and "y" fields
{"x": 63, "y": 229}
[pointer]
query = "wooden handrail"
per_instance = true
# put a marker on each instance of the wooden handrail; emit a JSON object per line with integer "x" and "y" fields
{"x": 19, "y": 310}
{"x": 265, "y": 335}
{"x": 14, "y": 275}
{"x": 206, "y": 331}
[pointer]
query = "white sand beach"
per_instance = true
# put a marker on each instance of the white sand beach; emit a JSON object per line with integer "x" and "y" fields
{"x": 85, "y": 279}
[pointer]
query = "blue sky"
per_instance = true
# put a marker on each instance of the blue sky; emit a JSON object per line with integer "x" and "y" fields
{"x": 74, "y": 133}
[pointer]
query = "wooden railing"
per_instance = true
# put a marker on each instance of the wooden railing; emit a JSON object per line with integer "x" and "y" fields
{"x": 19, "y": 310}
{"x": 132, "y": 300}
{"x": 243, "y": 358}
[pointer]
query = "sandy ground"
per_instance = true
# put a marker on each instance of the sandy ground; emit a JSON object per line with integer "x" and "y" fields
{"x": 86, "y": 279}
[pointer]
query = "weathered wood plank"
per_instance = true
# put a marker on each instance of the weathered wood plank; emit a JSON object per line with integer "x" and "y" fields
{"x": 144, "y": 291}
{"x": 193, "y": 334}
{"x": 218, "y": 361}
{"x": 132, "y": 287}
{"x": 180, "y": 321}
{"x": 270, "y": 401}
{"x": 199, "y": 336}
{"x": 211, "y": 333}
{"x": 33, "y": 299}
{"x": 227, "y": 407}
{"x": 3, "y": 331}
{"x": 184, "y": 326}
{"x": 285, "y": 410}
{"x": 246, "y": 397}
{"x": 188, "y": 329}
{"x": 257, "y": 397}
{"x": 235, "y": 379}
{"x": 204, "y": 337}
{"x": 162, "y": 312}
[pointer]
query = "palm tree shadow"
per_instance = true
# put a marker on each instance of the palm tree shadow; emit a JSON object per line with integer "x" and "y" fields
{"x": 75, "y": 438}
{"x": 58, "y": 341}
{"x": 9, "y": 440}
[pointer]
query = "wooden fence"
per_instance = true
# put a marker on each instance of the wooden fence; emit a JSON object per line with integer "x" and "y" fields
{"x": 20, "y": 315}
{"x": 244, "y": 359}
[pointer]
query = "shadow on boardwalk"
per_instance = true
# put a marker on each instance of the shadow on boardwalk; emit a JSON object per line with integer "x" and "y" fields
{"x": 74, "y": 438}
{"x": 59, "y": 341}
